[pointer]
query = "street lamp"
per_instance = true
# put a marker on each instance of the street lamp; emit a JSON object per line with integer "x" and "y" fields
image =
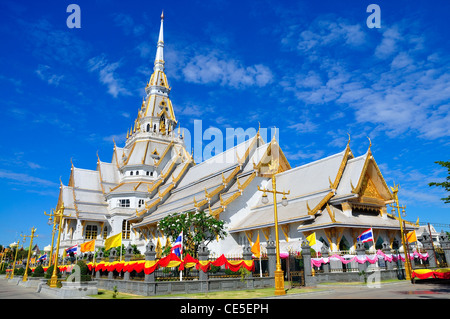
{"x": 11, "y": 276}
{"x": 58, "y": 213}
{"x": 403, "y": 213}
{"x": 51, "y": 221}
{"x": 25, "y": 275}
{"x": 279, "y": 276}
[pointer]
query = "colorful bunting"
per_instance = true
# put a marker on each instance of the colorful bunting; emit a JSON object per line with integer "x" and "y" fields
{"x": 172, "y": 260}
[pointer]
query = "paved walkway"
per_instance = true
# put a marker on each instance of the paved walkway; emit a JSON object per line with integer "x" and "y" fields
{"x": 9, "y": 290}
{"x": 425, "y": 289}
{"x": 402, "y": 290}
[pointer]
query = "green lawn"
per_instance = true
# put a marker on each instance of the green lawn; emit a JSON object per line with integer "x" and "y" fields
{"x": 233, "y": 294}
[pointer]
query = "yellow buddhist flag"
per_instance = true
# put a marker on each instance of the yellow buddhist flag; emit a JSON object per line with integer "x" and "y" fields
{"x": 311, "y": 239}
{"x": 411, "y": 236}
{"x": 87, "y": 246}
{"x": 113, "y": 241}
{"x": 256, "y": 249}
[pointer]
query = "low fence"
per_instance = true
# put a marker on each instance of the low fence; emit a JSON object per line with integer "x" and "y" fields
{"x": 170, "y": 275}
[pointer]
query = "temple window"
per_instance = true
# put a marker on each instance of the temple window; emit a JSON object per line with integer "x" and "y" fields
{"x": 124, "y": 203}
{"x": 125, "y": 230}
{"x": 91, "y": 232}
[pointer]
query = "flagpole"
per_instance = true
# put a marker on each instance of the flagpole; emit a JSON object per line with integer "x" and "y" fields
{"x": 373, "y": 240}
{"x": 407, "y": 249}
{"x": 260, "y": 268}
{"x": 181, "y": 272}
{"x": 93, "y": 259}
{"x": 181, "y": 256}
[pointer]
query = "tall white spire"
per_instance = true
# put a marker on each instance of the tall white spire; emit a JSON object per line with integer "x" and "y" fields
{"x": 159, "y": 59}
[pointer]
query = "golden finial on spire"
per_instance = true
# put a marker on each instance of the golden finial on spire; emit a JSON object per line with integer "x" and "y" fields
{"x": 348, "y": 142}
{"x": 162, "y": 15}
{"x": 274, "y": 140}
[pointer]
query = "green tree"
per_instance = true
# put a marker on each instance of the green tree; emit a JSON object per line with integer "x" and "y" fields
{"x": 197, "y": 228}
{"x": 446, "y": 183}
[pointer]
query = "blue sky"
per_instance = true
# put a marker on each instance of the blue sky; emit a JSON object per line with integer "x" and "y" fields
{"x": 312, "y": 69}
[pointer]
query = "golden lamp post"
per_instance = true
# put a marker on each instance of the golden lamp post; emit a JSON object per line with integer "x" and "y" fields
{"x": 33, "y": 230}
{"x": 279, "y": 276}
{"x": 51, "y": 221}
{"x": 394, "y": 206}
{"x": 11, "y": 276}
{"x": 57, "y": 214}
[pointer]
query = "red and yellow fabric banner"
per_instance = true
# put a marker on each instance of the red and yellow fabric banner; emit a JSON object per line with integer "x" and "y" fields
{"x": 441, "y": 273}
{"x": 171, "y": 260}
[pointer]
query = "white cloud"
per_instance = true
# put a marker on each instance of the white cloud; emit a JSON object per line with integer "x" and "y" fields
{"x": 118, "y": 138}
{"x": 43, "y": 72}
{"x": 403, "y": 87}
{"x": 304, "y": 127}
{"x": 300, "y": 154}
{"x": 389, "y": 43}
{"x": 26, "y": 179}
{"x": 321, "y": 34}
{"x": 210, "y": 68}
{"x": 107, "y": 76}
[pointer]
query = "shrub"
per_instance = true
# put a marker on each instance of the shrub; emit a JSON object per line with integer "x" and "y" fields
{"x": 19, "y": 271}
{"x": 84, "y": 271}
{"x": 49, "y": 272}
{"x": 39, "y": 271}
{"x": 213, "y": 269}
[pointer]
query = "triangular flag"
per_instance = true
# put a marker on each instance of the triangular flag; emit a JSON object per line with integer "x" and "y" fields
{"x": 311, "y": 239}
{"x": 113, "y": 241}
{"x": 256, "y": 248}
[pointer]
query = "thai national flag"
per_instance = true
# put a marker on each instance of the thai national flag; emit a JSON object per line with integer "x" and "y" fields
{"x": 365, "y": 236}
{"x": 72, "y": 249}
{"x": 43, "y": 257}
{"x": 177, "y": 247}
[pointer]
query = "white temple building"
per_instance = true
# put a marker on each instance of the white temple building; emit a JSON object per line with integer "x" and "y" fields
{"x": 153, "y": 175}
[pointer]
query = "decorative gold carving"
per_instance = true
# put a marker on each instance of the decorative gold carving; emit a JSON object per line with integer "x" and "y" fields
{"x": 369, "y": 189}
{"x": 285, "y": 230}
{"x": 266, "y": 232}
{"x": 331, "y": 214}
